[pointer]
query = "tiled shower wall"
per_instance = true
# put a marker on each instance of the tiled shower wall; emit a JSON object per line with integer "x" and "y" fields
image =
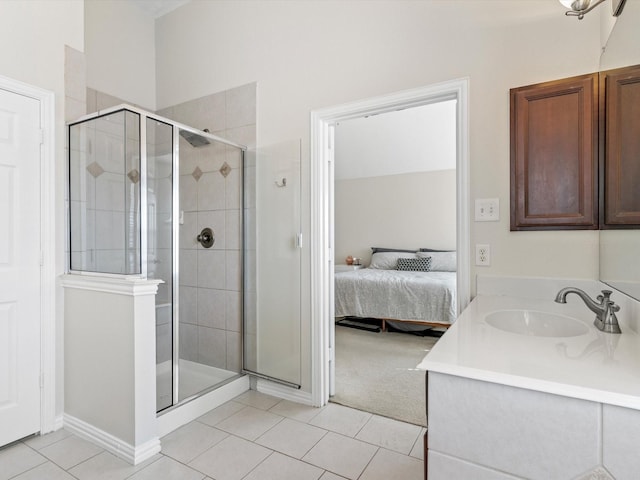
{"x": 211, "y": 196}
{"x": 211, "y": 189}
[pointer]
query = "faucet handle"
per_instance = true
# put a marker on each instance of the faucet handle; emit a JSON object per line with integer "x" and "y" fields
{"x": 604, "y": 297}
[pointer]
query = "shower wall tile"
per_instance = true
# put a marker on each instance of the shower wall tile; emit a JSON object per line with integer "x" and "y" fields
{"x": 188, "y": 305}
{"x": 232, "y": 231}
{"x": 242, "y": 135}
{"x": 241, "y": 106}
{"x": 104, "y": 100}
{"x": 205, "y": 112}
{"x": 163, "y": 343}
{"x": 216, "y": 221}
{"x": 211, "y": 269}
{"x": 211, "y": 157}
{"x": 211, "y": 308}
{"x": 109, "y": 230}
{"x": 74, "y": 109}
{"x": 189, "y": 268}
{"x": 75, "y": 76}
{"x": 111, "y": 261}
{"x": 188, "y": 193}
{"x": 109, "y": 192}
{"x": 233, "y": 157}
{"x": 234, "y": 351}
{"x": 233, "y": 197}
{"x": 188, "y": 158}
{"x": 233, "y": 311}
{"x": 211, "y": 191}
{"x": 189, "y": 342}
{"x": 92, "y": 100}
{"x": 189, "y": 231}
{"x": 212, "y": 347}
{"x": 217, "y": 199}
{"x": 233, "y": 270}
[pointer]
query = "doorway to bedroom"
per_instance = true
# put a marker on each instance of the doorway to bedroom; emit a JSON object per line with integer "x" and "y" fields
{"x": 394, "y": 203}
{"x": 324, "y": 254}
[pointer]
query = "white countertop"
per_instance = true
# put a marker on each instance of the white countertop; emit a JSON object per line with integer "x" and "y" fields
{"x": 595, "y": 366}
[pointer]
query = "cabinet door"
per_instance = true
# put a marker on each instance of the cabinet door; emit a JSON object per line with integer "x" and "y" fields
{"x": 620, "y": 94}
{"x": 554, "y": 138}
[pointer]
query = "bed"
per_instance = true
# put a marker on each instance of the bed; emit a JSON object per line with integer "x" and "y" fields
{"x": 410, "y": 290}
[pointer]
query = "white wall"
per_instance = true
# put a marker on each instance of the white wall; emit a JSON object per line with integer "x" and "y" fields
{"x": 415, "y": 210}
{"x": 33, "y": 36}
{"x": 120, "y": 51}
{"x": 315, "y": 54}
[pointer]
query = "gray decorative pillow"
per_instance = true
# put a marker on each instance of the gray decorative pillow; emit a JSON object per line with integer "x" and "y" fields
{"x": 414, "y": 264}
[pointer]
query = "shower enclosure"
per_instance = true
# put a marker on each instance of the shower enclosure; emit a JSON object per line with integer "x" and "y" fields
{"x": 156, "y": 199}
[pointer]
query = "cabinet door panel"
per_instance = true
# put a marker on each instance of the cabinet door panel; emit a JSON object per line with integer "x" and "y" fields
{"x": 554, "y": 134}
{"x": 622, "y": 147}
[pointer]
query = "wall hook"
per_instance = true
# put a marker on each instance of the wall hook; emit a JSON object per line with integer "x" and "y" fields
{"x": 282, "y": 183}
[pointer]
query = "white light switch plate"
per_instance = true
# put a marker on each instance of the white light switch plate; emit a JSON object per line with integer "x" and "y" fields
{"x": 487, "y": 209}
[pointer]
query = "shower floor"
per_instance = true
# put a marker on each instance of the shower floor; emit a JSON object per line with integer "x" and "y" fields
{"x": 193, "y": 378}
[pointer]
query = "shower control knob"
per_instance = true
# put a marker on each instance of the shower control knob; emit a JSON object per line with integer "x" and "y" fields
{"x": 206, "y": 238}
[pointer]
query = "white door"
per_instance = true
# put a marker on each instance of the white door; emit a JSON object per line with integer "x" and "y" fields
{"x": 19, "y": 266}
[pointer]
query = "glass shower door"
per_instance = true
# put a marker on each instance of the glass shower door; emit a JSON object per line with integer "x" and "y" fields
{"x": 272, "y": 263}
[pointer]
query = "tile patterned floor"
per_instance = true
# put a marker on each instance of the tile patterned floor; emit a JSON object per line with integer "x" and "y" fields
{"x": 253, "y": 437}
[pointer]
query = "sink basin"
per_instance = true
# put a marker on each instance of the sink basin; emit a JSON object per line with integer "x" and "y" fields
{"x": 536, "y": 324}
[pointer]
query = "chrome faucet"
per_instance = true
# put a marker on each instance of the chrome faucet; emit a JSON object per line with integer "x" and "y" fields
{"x": 606, "y": 319}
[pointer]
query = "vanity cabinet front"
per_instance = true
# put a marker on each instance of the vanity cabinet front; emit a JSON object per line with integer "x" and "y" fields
{"x": 620, "y": 107}
{"x": 554, "y": 155}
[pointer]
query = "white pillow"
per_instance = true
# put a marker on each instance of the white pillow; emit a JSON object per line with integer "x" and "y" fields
{"x": 441, "y": 261}
{"x": 388, "y": 260}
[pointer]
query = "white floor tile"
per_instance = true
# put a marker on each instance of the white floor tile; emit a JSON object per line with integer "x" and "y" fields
{"x": 296, "y": 411}
{"x": 388, "y": 465}
{"x": 418, "y": 448}
{"x": 249, "y": 423}
{"x": 40, "y": 441}
{"x": 167, "y": 469}
{"x": 391, "y": 434}
{"x": 257, "y": 400}
{"x": 253, "y": 437}
{"x": 291, "y": 438}
{"x": 331, "y": 476}
{"x": 106, "y": 466}
{"x": 221, "y": 413}
{"x": 45, "y": 471}
{"x": 281, "y": 467}
{"x": 70, "y": 451}
{"x": 342, "y": 455}
{"x": 189, "y": 441}
{"x": 340, "y": 419}
{"x": 16, "y": 459}
{"x": 231, "y": 459}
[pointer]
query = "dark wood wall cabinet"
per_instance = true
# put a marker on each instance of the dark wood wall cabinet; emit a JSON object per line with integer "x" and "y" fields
{"x": 554, "y": 155}
{"x": 620, "y": 149}
{"x": 575, "y": 152}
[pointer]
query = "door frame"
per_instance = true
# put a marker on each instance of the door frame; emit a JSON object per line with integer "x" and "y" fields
{"x": 321, "y": 238}
{"x": 46, "y": 99}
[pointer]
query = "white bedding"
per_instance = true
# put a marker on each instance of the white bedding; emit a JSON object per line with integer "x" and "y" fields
{"x": 394, "y": 294}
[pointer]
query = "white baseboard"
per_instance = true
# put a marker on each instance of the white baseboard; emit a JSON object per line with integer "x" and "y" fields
{"x": 120, "y": 448}
{"x": 284, "y": 392}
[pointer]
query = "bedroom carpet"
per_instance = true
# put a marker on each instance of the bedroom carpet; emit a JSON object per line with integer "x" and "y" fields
{"x": 376, "y": 372}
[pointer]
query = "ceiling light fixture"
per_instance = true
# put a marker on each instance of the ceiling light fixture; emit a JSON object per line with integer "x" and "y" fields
{"x": 578, "y": 8}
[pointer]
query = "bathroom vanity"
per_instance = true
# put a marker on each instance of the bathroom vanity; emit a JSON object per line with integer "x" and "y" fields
{"x": 529, "y": 388}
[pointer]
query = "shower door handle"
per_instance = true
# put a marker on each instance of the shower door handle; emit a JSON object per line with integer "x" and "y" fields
{"x": 206, "y": 238}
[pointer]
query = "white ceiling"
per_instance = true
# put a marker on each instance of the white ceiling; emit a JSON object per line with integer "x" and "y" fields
{"x": 158, "y": 8}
